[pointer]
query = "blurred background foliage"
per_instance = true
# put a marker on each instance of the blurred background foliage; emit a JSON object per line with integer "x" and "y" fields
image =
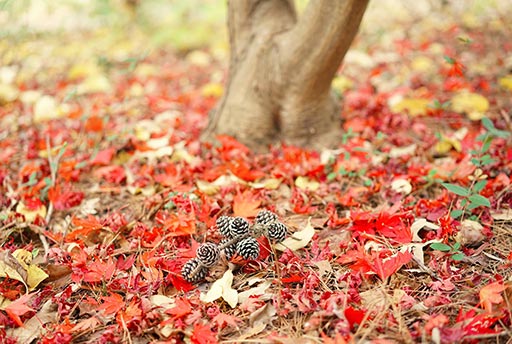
{"x": 190, "y": 24}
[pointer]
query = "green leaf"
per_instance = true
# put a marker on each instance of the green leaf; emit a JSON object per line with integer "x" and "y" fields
{"x": 456, "y": 246}
{"x": 479, "y": 200}
{"x": 458, "y": 256}
{"x": 449, "y": 59}
{"x": 479, "y": 185}
{"x": 456, "y": 189}
{"x": 485, "y": 146}
{"x": 331, "y": 176}
{"x": 487, "y": 123}
{"x": 455, "y": 214}
{"x": 439, "y": 246}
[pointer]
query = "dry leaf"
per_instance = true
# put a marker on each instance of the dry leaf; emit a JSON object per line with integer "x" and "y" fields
{"x": 262, "y": 316}
{"x": 502, "y": 214}
{"x": 34, "y": 327}
{"x": 506, "y": 82}
{"x": 10, "y": 267}
{"x": 418, "y": 225}
{"x": 34, "y": 274}
{"x": 401, "y": 186}
{"x": 472, "y": 104}
{"x": 222, "y": 288}
{"x": 413, "y": 106}
{"x": 269, "y": 184}
{"x": 298, "y": 240}
{"x": 30, "y": 214}
{"x": 304, "y": 183}
{"x": 259, "y": 290}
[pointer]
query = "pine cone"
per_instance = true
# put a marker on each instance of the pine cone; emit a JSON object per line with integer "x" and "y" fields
{"x": 239, "y": 226}
{"x": 191, "y": 266}
{"x": 208, "y": 254}
{"x": 265, "y": 217}
{"x": 224, "y": 225}
{"x": 276, "y": 231}
{"x": 248, "y": 248}
{"x": 229, "y": 251}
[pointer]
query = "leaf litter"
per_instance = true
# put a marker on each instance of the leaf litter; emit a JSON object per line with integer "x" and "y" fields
{"x": 374, "y": 252}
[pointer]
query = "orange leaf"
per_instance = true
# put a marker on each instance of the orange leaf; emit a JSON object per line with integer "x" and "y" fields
{"x": 245, "y": 204}
{"x": 111, "y": 304}
{"x": 19, "y": 307}
{"x": 491, "y": 294}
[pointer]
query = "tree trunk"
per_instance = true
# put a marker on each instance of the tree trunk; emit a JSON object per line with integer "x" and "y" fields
{"x": 281, "y": 69}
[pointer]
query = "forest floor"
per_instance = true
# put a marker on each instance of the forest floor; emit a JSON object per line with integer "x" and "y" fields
{"x": 403, "y": 233}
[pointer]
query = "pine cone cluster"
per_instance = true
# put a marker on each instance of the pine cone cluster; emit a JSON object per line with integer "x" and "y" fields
{"x": 239, "y": 237}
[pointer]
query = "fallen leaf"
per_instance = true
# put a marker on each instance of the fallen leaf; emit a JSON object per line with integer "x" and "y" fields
{"x": 245, "y": 204}
{"x": 298, "y": 240}
{"x": 506, "y": 82}
{"x": 304, "y": 183}
{"x": 18, "y": 308}
{"x": 259, "y": 290}
{"x": 34, "y": 327}
{"x": 262, "y": 316}
{"x": 472, "y": 104}
{"x": 413, "y": 106}
{"x": 31, "y": 213}
{"x": 11, "y": 268}
{"x": 502, "y": 214}
{"x": 491, "y": 295}
{"x": 418, "y": 225}
{"x": 222, "y": 288}
{"x": 402, "y": 186}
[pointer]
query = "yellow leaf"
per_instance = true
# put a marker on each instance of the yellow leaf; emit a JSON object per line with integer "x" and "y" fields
{"x": 269, "y": 184}
{"x": 35, "y": 275}
{"x": 222, "y": 288}
{"x": 30, "y": 214}
{"x": 342, "y": 84}
{"x": 207, "y": 188}
{"x": 8, "y": 93}
{"x": 506, "y": 82}
{"x": 96, "y": 83}
{"x": 298, "y": 240}
{"x": 422, "y": 64}
{"x": 304, "y": 183}
{"x": 46, "y": 109}
{"x": 82, "y": 70}
{"x": 413, "y": 106}
{"x": 446, "y": 144}
{"x": 473, "y": 104}
{"x": 10, "y": 267}
{"x": 212, "y": 89}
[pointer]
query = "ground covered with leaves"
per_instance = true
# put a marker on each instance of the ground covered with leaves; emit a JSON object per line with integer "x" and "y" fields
{"x": 403, "y": 233}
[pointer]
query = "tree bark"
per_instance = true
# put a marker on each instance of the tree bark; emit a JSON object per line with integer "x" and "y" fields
{"x": 281, "y": 69}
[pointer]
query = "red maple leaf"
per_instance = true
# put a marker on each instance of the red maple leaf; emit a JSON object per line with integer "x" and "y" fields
{"x": 84, "y": 227}
{"x": 111, "y": 304}
{"x": 354, "y": 316}
{"x": 180, "y": 224}
{"x": 64, "y": 198}
{"x": 222, "y": 320}
{"x": 491, "y": 295}
{"x": 202, "y": 334}
{"x": 103, "y": 157}
{"x": 181, "y": 309}
{"x": 388, "y": 266}
{"x": 18, "y": 308}
{"x": 245, "y": 204}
